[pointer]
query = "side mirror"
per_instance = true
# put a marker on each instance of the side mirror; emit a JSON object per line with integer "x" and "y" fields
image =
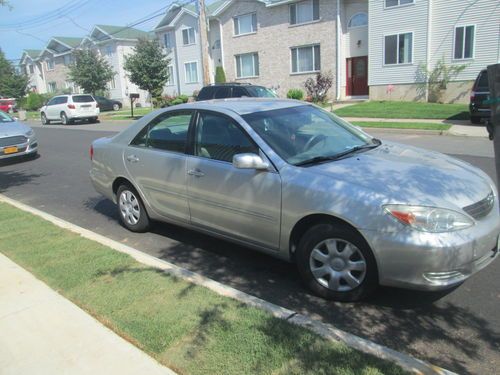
{"x": 249, "y": 161}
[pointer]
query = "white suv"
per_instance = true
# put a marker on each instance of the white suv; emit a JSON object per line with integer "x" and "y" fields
{"x": 68, "y": 108}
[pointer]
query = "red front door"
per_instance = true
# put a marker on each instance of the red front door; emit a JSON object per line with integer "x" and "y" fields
{"x": 357, "y": 76}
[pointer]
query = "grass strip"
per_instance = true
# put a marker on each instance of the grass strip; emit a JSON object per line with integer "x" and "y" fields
{"x": 401, "y": 125}
{"x": 184, "y": 326}
{"x": 410, "y": 110}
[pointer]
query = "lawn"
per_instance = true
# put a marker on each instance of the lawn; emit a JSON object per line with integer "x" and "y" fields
{"x": 124, "y": 114}
{"x": 186, "y": 327}
{"x": 410, "y": 110}
{"x": 401, "y": 125}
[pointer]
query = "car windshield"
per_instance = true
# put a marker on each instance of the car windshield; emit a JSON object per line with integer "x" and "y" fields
{"x": 261, "y": 92}
{"x": 4, "y": 117}
{"x": 82, "y": 99}
{"x": 306, "y": 134}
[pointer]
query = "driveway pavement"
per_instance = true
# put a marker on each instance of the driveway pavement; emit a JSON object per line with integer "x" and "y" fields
{"x": 458, "y": 330}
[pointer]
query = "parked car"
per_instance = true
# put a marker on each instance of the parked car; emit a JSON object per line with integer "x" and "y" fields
{"x": 16, "y": 139}
{"x": 8, "y": 105}
{"x": 299, "y": 183}
{"x": 234, "y": 90}
{"x": 480, "y": 92}
{"x": 70, "y": 108}
{"x": 106, "y": 104}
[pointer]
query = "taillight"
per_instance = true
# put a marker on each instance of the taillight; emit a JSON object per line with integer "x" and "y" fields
{"x": 71, "y": 106}
{"x": 472, "y": 96}
{"x": 91, "y": 152}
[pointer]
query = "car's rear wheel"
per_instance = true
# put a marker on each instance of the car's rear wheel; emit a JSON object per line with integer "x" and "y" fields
{"x": 44, "y": 120}
{"x": 116, "y": 107}
{"x": 64, "y": 119}
{"x": 131, "y": 209}
{"x": 335, "y": 262}
{"x": 475, "y": 119}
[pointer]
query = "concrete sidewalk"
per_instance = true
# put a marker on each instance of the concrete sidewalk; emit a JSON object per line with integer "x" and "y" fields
{"x": 43, "y": 333}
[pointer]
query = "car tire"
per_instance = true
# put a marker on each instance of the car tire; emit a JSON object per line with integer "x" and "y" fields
{"x": 44, "y": 120}
{"x": 336, "y": 262}
{"x": 475, "y": 120}
{"x": 64, "y": 119}
{"x": 131, "y": 210}
{"x": 116, "y": 107}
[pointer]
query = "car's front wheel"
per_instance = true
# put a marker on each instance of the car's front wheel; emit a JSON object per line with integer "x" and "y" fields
{"x": 116, "y": 107}
{"x": 336, "y": 263}
{"x": 44, "y": 120}
{"x": 131, "y": 209}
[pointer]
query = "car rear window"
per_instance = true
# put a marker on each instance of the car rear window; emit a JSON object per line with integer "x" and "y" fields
{"x": 482, "y": 82}
{"x": 261, "y": 92}
{"x": 82, "y": 99}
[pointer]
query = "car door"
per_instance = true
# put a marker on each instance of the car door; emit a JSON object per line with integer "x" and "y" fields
{"x": 52, "y": 106}
{"x": 156, "y": 162}
{"x": 242, "y": 203}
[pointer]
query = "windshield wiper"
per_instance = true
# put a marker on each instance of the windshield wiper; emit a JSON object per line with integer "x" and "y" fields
{"x": 340, "y": 155}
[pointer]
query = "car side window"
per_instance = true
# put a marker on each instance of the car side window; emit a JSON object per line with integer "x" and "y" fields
{"x": 206, "y": 93}
{"x": 63, "y": 99}
{"x": 222, "y": 93}
{"x": 168, "y": 131}
{"x": 52, "y": 101}
{"x": 219, "y": 138}
{"x": 239, "y": 92}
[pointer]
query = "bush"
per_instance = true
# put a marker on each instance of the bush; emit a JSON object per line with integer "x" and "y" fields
{"x": 176, "y": 101}
{"x": 297, "y": 94}
{"x": 184, "y": 98}
{"x": 220, "y": 76}
{"x": 33, "y": 101}
{"x": 317, "y": 89}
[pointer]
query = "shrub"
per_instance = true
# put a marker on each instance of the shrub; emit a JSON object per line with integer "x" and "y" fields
{"x": 176, "y": 101}
{"x": 297, "y": 94}
{"x": 33, "y": 101}
{"x": 438, "y": 78}
{"x": 184, "y": 98}
{"x": 318, "y": 88}
{"x": 220, "y": 76}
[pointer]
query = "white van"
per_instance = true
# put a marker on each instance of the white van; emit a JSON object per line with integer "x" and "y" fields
{"x": 69, "y": 108}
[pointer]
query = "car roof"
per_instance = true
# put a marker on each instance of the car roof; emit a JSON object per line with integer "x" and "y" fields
{"x": 243, "y": 106}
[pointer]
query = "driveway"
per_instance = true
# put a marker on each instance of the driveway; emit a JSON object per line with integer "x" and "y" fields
{"x": 458, "y": 330}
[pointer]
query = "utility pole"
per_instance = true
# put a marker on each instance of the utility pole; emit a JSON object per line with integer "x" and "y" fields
{"x": 204, "y": 41}
{"x": 494, "y": 101}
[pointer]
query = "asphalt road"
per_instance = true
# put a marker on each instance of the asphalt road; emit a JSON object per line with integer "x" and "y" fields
{"x": 458, "y": 330}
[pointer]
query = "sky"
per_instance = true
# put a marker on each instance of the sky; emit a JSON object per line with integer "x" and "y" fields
{"x": 29, "y": 24}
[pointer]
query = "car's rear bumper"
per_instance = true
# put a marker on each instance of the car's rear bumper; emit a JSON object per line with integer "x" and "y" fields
{"x": 28, "y": 148}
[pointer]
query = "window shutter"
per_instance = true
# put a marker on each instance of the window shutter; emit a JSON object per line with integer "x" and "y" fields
{"x": 185, "y": 38}
{"x": 294, "y": 60}
{"x": 315, "y": 9}
{"x": 317, "y": 58}
{"x": 254, "y": 22}
{"x": 293, "y": 14}
{"x": 236, "y": 26}
{"x": 256, "y": 64}
{"x": 238, "y": 67}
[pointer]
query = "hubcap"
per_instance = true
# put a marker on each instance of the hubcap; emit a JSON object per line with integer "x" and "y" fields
{"x": 337, "y": 265}
{"x": 129, "y": 207}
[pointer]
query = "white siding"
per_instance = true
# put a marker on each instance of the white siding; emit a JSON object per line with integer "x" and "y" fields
{"x": 171, "y": 90}
{"x": 122, "y": 82}
{"x": 396, "y": 20}
{"x": 188, "y": 53}
{"x": 485, "y": 15}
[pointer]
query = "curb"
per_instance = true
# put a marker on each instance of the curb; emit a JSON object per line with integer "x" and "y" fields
{"x": 326, "y": 331}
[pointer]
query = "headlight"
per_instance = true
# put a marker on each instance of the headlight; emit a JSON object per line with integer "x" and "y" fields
{"x": 29, "y": 133}
{"x": 429, "y": 219}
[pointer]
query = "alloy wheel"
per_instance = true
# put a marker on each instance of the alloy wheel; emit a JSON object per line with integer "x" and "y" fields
{"x": 129, "y": 207}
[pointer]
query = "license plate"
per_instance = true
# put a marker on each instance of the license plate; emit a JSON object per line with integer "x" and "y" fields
{"x": 10, "y": 150}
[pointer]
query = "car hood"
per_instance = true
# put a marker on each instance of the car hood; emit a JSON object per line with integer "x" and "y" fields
{"x": 8, "y": 129}
{"x": 410, "y": 175}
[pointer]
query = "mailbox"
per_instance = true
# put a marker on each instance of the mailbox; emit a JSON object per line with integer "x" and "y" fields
{"x": 134, "y": 96}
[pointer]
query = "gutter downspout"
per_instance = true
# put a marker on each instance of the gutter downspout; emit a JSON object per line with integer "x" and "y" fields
{"x": 221, "y": 44}
{"x": 338, "y": 52}
{"x": 429, "y": 41}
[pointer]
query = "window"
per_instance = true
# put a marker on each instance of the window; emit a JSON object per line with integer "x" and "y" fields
{"x": 112, "y": 83}
{"x": 170, "y": 81}
{"x": 191, "y": 70}
{"x": 464, "y": 42}
{"x": 52, "y": 87}
{"x": 396, "y": 3}
{"x": 168, "y": 131}
{"x": 206, "y": 93}
{"x": 32, "y": 70}
{"x": 247, "y": 65}
{"x": 398, "y": 49}
{"x": 245, "y": 24}
{"x": 188, "y": 36}
{"x": 67, "y": 60}
{"x": 109, "y": 51}
{"x": 358, "y": 20}
{"x": 306, "y": 59}
{"x": 167, "y": 40}
{"x": 83, "y": 99}
{"x": 303, "y": 12}
{"x": 50, "y": 64}
{"x": 219, "y": 138}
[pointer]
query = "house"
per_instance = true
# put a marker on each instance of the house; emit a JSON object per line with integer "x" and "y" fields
{"x": 55, "y": 60}
{"x": 32, "y": 67}
{"x": 113, "y": 43}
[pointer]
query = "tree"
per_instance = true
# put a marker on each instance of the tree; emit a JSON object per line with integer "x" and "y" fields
{"x": 90, "y": 71}
{"x": 147, "y": 67}
{"x": 317, "y": 89}
{"x": 12, "y": 83}
{"x": 437, "y": 79}
{"x": 220, "y": 76}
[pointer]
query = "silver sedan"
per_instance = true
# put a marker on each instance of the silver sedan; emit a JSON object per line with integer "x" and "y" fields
{"x": 16, "y": 138}
{"x": 297, "y": 182}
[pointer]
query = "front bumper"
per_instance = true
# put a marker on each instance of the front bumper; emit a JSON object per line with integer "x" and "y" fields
{"x": 28, "y": 148}
{"x": 434, "y": 261}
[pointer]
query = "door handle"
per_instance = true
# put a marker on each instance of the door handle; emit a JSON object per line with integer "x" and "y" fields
{"x": 132, "y": 158}
{"x": 196, "y": 173}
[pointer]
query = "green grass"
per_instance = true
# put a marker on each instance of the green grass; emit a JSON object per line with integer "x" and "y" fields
{"x": 186, "y": 327}
{"x": 401, "y": 125}
{"x": 124, "y": 114}
{"x": 410, "y": 110}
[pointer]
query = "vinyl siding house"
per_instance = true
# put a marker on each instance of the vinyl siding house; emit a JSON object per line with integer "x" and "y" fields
{"x": 113, "y": 43}
{"x": 404, "y": 34}
{"x": 32, "y": 67}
